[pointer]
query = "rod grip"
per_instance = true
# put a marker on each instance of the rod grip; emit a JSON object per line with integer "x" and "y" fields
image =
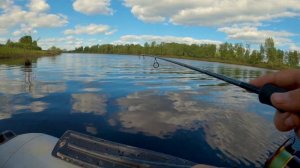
{"x": 266, "y": 92}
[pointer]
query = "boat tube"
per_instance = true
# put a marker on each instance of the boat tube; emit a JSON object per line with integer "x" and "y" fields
{"x": 74, "y": 150}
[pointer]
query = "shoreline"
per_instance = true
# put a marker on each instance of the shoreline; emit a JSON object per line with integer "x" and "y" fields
{"x": 26, "y": 55}
{"x": 261, "y": 65}
{"x": 17, "y": 53}
{"x": 32, "y": 54}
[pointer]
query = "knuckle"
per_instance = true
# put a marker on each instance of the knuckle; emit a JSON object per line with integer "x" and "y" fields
{"x": 294, "y": 98}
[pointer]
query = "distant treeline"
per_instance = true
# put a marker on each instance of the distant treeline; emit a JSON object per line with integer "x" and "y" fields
{"x": 25, "y": 47}
{"x": 267, "y": 56}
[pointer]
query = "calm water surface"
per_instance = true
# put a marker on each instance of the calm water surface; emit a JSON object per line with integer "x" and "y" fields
{"x": 124, "y": 99}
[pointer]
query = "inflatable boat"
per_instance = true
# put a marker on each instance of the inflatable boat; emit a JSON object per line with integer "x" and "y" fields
{"x": 75, "y": 150}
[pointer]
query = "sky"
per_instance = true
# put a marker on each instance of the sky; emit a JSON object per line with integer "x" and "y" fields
{"x": 72, "y": 23}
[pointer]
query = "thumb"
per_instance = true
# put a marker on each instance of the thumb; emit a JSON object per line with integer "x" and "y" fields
{"x": 288, "y": 101}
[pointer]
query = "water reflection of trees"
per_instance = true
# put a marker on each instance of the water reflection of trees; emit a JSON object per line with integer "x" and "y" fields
{"x": 28, "y": 77}
{"x": 16, "y": 81}
{"x": 240, "y": 135}
{"x": 242, "y": 73}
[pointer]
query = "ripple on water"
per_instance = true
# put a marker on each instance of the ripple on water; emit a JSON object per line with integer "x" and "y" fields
{"x": 123, "y": 98}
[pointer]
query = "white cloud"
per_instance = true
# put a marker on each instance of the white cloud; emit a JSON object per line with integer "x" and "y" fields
{"x": 63, "y": 42}
{"x": 2, "y": 30}
{"x": 90, "y": 30}
{"x": 294, "y": 46}
{"x": 212, "y": 12}
{"x": 111, "y": 32}
{"x": 3, "y": 40}
{"x": 140, "y": 39}
{"x": 254, "y": 36}
{"x": 92, "y": 7}
{"x": 5, "y": 3}
{"x": 13, "y": 16}
{"x": 24, "y": 30}
{"x": 38, "y": 5}
{"x": 68, "y": 42}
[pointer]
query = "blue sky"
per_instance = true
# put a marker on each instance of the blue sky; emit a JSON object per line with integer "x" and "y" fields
{"x": 71, "y": 23}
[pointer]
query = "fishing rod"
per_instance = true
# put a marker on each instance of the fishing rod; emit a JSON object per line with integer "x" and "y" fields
{"x": 287, "y": 154}
{"x": 264, "y": 93}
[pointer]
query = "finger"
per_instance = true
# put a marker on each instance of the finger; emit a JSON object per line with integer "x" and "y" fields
{"x": 288, "y": 79}
{"x": 293, "y": 121}
{"x": 286, "y": 121}
{"x": 279, "y": 121}
{"x": 288, "y": 101}
{"x": 297, "y": 131}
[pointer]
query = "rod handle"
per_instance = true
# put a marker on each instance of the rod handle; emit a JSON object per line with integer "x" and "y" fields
{"x": 266, "y": 92}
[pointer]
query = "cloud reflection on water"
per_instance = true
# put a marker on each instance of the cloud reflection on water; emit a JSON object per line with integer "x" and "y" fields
{"x": 89, "y": 103}
{"x": 9, "y": 107}
{"x": 11, "y": 87}
{"x": 37, "y": 106}
{"x": 91, "y": 89}
{"x": 238, "y": 134}
{"x": 41, "y": 89}
{"x": 91, "y": 129}
{"x": 6, "y": 108}
{"x": 36, "y": 89}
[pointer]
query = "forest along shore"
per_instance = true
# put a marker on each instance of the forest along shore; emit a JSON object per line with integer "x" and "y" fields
{"x": 267, "y": 56}
{"x": 25, "y": 48}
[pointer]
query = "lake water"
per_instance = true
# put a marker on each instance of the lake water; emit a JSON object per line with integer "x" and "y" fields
{"x": 171, "y": 109}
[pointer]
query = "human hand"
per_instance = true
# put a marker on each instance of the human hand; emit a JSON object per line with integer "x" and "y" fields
{"x": 288, "y": 101}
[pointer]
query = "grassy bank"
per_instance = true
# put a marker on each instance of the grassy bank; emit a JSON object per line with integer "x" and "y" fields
{"x": 11, "y": 53}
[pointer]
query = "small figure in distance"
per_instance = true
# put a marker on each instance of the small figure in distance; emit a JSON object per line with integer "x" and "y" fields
{"x": 27, "y": 63}
{"x": 289, "y": 101}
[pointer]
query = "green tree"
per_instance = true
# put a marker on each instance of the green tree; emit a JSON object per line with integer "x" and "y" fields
{"x": 279, "y": 57}
{"x": 239, "y": 51}
{"x": 223, "y": 50}
{"x": 79, "y": 49}
{"x": 293, "y": 58}
{"x": 8, "y": 42}
{"x": 255, "y": 57}
{"x": 86, "y": 49}
{"x": 26, "y": 40}
{"x": 146, "y": 48}
{"x": 270, "y": 50}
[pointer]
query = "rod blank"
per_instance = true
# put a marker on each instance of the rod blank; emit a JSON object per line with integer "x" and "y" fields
{"x": 238, "y": 83}
{"x": 264, "y": 93}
